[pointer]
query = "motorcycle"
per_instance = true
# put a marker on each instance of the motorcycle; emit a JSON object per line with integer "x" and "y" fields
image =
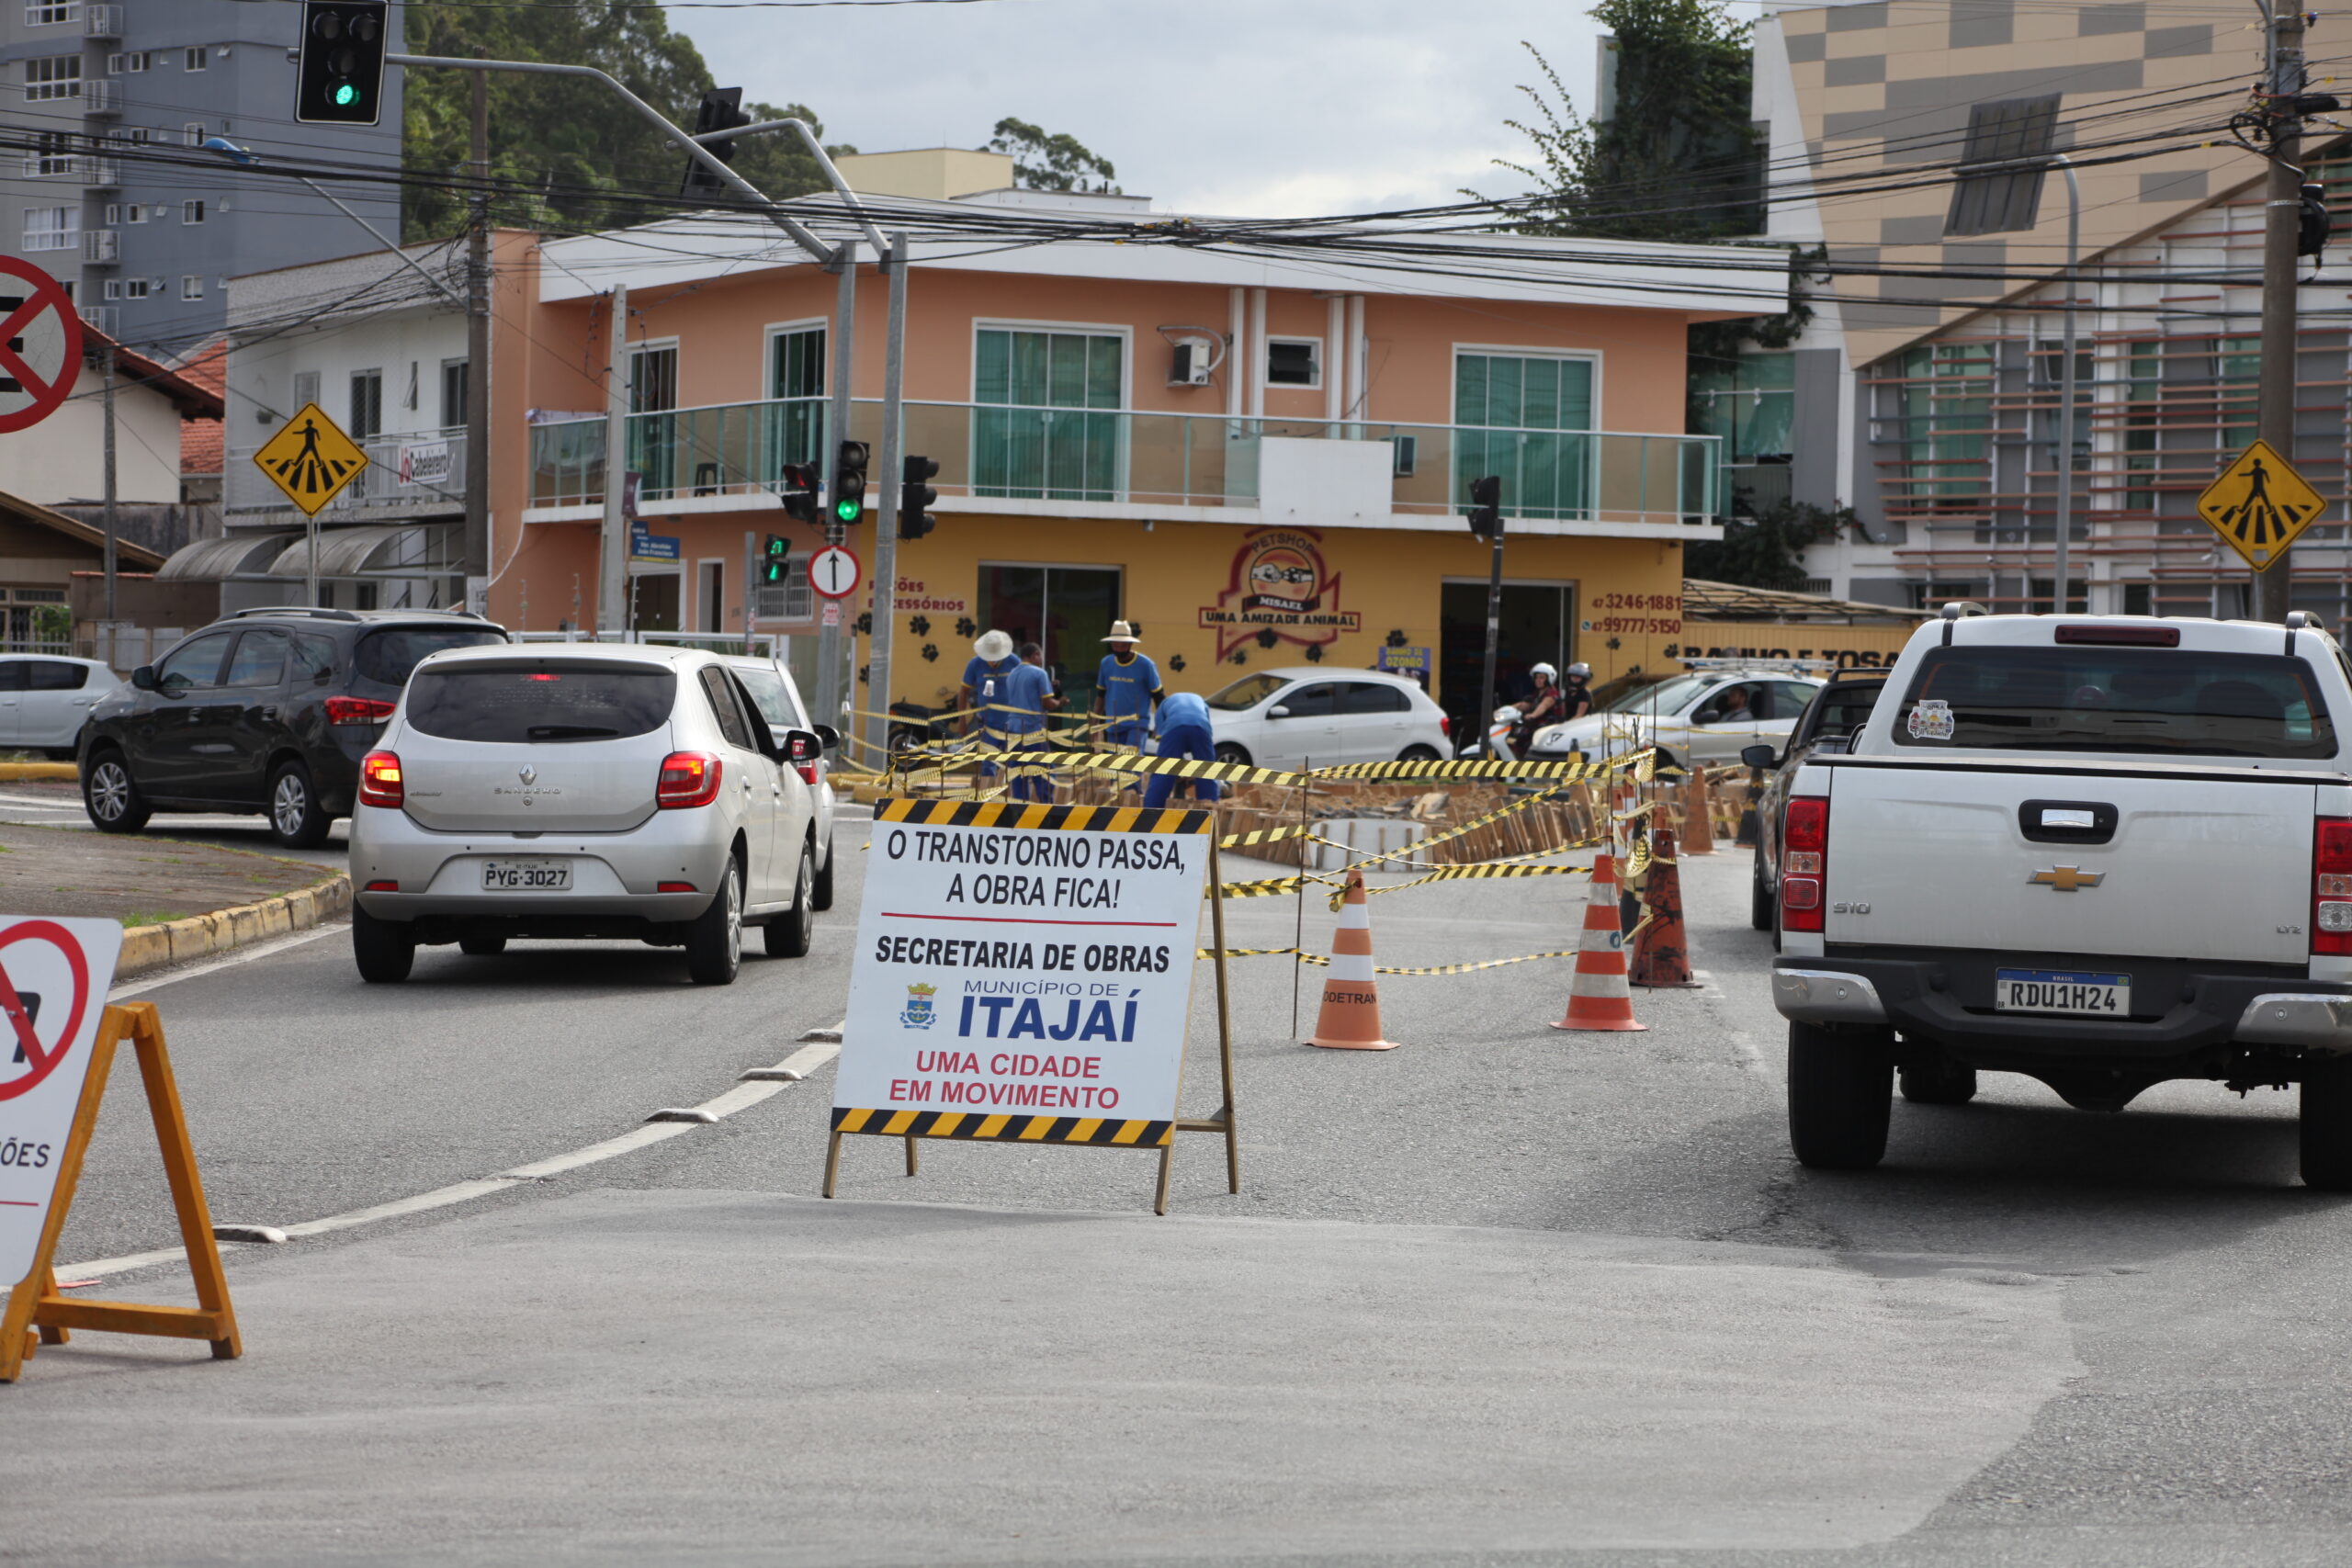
{"x": 1498, "y": 742}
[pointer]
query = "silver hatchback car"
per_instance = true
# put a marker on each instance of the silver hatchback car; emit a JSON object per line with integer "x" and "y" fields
{"x": 582, "y": 791}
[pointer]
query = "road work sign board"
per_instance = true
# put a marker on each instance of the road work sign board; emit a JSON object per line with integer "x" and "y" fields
{"x": 1023, "y": 972}
{"x": 54, "y": 974}
{"x": 311, "y": 459}
{"x": 2259, "y": 505}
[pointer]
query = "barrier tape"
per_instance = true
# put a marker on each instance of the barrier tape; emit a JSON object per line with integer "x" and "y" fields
{"x": 1266, "y": 835}
{"x": 1321, "y": 961}
{"x": 1563, "y": 772}
{"x": 1479, "y": 872}
{"x": 1413, "y": 850}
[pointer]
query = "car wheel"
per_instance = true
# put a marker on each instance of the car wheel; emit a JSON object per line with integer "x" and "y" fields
{"x": 385, "y": 950}
{"x": 820, "y": 897}
{"x": 1418, "y": 754}
{"x": 111, "y": 798}
{"x": 482, "y": 946}
{"x": 2326, "y": 1130}
{"x": 788, "y": 934}
{"x": 1227, "y": 752}
{"x": 715, "y": 938}
{"x": 1841, "y": 1093}
{"x": 296, "y": 817}
{"x": 1938, "y": 1082}
{"x": 1762, "y": 907}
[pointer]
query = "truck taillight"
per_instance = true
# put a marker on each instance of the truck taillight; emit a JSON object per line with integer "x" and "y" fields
{"x": 1805, "y": 862}
{"x": 2332, "y": 885}
{"x": 379, "y": 780}
{"x": 688, "y": 778}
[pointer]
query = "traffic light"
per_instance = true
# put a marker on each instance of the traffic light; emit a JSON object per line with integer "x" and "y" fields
{"x": 1485, "y": 506}
{"x": 799, "y": 488}
{"x": 849, "y": 482}
{"x": 340, "y": 79}
{"x": 776, "y": 561}
{"x": 721, "y": 109}
{"x": 915, "y": 496}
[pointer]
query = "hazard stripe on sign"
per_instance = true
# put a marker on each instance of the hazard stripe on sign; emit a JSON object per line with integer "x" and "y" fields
{"x": 1105, "y": 1130}
{"x": 1027, "y": 814}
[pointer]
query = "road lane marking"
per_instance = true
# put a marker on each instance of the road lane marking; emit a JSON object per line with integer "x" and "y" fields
{"x": 742, "y": 1097}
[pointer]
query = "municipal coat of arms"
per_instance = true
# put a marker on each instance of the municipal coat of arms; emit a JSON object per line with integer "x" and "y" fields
{"x": 919, "y": 1014}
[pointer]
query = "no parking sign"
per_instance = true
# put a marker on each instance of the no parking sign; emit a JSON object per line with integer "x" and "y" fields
{"x": 40, "y": 344}
{"x": 53, "y": 979}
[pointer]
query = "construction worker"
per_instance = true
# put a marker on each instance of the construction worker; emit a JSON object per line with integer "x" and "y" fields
{"x": 1126, "y": 686}
{"x": 1027, "y": 695}
{"x": 1184, "y": 732}
{"x": 985, "y": 674}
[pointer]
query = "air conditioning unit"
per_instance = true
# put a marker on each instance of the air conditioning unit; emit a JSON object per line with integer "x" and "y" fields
{"x": 1195, "y": 358}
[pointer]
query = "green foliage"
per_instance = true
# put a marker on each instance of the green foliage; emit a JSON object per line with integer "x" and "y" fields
{"x": 1766, "y": 551}
{"x": 1046, "y": 161}
{"x": 590, "y": 160}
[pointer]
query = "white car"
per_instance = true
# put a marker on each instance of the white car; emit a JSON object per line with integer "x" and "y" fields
{"x": 777, "y": 696}
{"x": 1707, "y": 717}
{"x": 582, "y": 791}
{"x": 1308, "y": 715}
{"x": 45, "y": 699}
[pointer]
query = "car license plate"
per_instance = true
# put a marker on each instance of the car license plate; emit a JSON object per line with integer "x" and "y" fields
{"x": 525, "y": 876}
{"x": 2061, "y": 990}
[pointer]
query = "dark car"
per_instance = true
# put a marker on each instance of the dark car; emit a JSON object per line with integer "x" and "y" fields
{"x": 267, "y": 711}
{"x": 1830, "y": 722}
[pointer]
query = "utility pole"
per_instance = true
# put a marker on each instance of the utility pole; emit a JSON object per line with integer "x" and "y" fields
{"x": 1485, "y": 717}
{"x": 477, "y": 552}
{"x": 2281, "y": 220}
{"x": 886, "y": 515}
{"x": 830, "y": 703}
{"x": 611, "y": 555}
{"x": 113, "y": 611}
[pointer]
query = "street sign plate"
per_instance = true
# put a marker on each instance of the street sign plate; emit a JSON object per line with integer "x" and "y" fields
{"x": 834, "y": 572}
{"x": 40, "y": 345}
{"x": 2259, "y": 505}
{"x": 832, "y": 614}
{"x": 54, "y": 974}
{"x": 311, "y": 459}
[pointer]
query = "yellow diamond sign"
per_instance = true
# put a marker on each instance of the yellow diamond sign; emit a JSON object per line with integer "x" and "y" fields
{"x": 2259, "y": 505}
{"x": 311, "y": 459}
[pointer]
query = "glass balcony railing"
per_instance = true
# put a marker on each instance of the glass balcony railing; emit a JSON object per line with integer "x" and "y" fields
{"x": 1144, "y": 460}
{"x": 420, "y": 471}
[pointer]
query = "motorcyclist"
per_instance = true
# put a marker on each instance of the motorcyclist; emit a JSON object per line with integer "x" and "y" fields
{"x": 1576, "y": 696}
{"x": 1542, "y": 708}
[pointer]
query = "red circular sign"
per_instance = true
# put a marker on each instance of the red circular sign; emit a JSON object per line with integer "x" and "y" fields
{"x": 41, "y": 1061}
{"x": 31, "y": 389}
{"x": 835, "y": 572}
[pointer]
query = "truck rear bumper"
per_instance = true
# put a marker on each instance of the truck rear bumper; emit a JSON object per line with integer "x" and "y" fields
{"x": 1937, "y": 1000}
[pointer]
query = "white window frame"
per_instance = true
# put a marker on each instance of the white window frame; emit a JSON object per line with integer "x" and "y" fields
{"x": 137, "y": 61}
{"x": 51, "y": 13}
{"x": 192, "y": 210}
{"x": 60, "y": 227}
{"x": 192, "y": 286}
{"x": 775, "y": 330}
{"x": 1591, "y": 357}
{"x": 1125, "y": 334}
{"x": 114, "y": 289}
{"x": 1266, "y": 370}
{"x": 135, "y": 288}
{"x": 193, "y": 132}
{"x": 51, "y": 155}
{"x": 196, "y": 58}
{"x": 47, "y": 80}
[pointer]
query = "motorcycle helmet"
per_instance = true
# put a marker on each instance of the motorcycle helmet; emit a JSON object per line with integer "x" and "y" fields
{"x": 1546, "y": 672}
{"x": 1579, "y": 672}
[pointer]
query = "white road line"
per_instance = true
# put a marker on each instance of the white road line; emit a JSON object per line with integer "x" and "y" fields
{"x": 742, "y": 1097}
{"x": 242, "y": 955}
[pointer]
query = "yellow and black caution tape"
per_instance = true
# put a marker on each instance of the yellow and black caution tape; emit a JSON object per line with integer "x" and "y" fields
{"x": 1413, "y": 851}
{"x": 1275, "y": 885}
{"x": 1265, "y": 836}
{"x": 1319, "y": 960}
{"x": 1474, "y": 873}
{"x": 1563, "y": 772}
{"x": 1638, "y": 861}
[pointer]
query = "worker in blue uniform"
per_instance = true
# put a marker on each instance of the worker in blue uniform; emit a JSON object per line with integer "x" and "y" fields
{"x": 1027, "y": 697}
{"x": 1183, "y": 732}
{"x": 1126, "y": 686}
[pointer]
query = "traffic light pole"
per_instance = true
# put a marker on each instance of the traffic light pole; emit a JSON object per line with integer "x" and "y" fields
{"x": 886, "y": 515}
{"x": 1484, "y": 715}
{"x": 612, "y": 543}
{"x": 476, "y": 549}
{"x": 2282, "y": 221}
{"x": 829, "y": 637}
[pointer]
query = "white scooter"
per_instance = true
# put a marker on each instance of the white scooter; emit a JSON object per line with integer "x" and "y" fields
{"x": 1498, "y": 741}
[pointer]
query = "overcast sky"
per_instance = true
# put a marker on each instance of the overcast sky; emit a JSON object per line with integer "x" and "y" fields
{"x": 1252, "y": 107}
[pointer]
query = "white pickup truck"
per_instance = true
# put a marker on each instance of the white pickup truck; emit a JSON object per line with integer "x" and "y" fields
{"x": 2102, "y": 851}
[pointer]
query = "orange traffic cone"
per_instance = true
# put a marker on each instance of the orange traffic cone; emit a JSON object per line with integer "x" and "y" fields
{"x": 1351, "y": 1016}
{"x": 1597, "y": 997}
{"x": 1698, "y": 820}
{"x": 1662, "y": 950}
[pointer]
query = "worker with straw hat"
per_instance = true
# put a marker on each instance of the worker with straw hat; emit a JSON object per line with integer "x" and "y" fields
{"x": 1126, "y": 686}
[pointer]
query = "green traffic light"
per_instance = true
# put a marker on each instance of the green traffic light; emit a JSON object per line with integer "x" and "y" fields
{"x": 345, "y": 95}
{"x": 847, "y": 511}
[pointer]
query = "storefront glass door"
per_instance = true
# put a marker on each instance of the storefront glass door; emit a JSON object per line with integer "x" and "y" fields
{"x": 1067, "y": 608}
{"x": 1044, "y": 441}
{"x": 1536, "y": 622}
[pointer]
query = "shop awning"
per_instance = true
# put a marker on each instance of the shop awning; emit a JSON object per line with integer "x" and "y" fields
{"x": 213, "y": 560}
{"x": 347, "y": 552}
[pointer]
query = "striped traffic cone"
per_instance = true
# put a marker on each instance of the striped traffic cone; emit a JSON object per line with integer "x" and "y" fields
{"x": 1597, "y": 994}
{"x": 1698, "y": 820}
{"x": 1661, "y": 947}
{"x": 1351, "y": 1017}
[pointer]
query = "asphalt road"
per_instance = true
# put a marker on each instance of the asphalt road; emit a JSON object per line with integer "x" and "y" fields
{"x": 1503, "y": 1295}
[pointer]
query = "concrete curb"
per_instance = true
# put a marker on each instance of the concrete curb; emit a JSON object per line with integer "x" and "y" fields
{"x": 225, "y": 931}
{"x": 27, "y": 773}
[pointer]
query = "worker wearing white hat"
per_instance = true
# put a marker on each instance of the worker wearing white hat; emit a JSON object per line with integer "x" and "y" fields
{"x": 1126, "y": 686}
{"x": 985, "y": 679}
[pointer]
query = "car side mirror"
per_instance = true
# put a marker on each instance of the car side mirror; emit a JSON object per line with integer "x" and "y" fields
{"x": 828, "y": 737}
{"x": 143, "y": 677}
{"x": 803, "y": 746}
{"x": 1278, "y": 711}
{"x": 1761, "y": 756}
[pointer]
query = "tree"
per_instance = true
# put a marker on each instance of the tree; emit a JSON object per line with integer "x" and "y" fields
{"x": 1766, "y": 550}
{"x": 1043, "y": 160}
{"x": 589, "y": 162}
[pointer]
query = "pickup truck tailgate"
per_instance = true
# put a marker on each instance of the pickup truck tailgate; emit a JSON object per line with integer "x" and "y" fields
{"x": 2194, "y": 865}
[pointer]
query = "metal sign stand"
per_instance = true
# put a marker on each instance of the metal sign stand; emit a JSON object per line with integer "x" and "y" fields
{"x": 36, "y": 1305}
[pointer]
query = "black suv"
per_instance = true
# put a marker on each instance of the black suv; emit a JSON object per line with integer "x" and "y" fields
{"x": 268, "y": 711}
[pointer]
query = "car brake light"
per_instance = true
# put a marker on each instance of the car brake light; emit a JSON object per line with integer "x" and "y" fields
{"x": 1445, "y": 727}
{"x": 379, "y": 779}
{"x": 2332, "y": 886}
{"x": 357, "y": 710}
{"x": 673, "y": 888}
{"x": 1805, "y": 862}
{"x": 688, "y": 778}
{"x": 383, "y": 887}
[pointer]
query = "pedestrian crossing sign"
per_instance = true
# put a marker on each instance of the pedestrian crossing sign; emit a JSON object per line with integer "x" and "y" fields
{"x": 311, "y": 459}
{"x": 2259, "y": 505}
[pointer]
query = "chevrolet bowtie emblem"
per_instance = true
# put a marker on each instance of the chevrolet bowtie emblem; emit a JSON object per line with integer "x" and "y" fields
{"x": 2066, "y": 879}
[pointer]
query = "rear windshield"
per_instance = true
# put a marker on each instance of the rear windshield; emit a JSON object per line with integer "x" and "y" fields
{"x": 391, "y": 655}
{"x": 517, "y": 704}
{"x": 1843, "y": 709}
{"x": 2157, "y": 700}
